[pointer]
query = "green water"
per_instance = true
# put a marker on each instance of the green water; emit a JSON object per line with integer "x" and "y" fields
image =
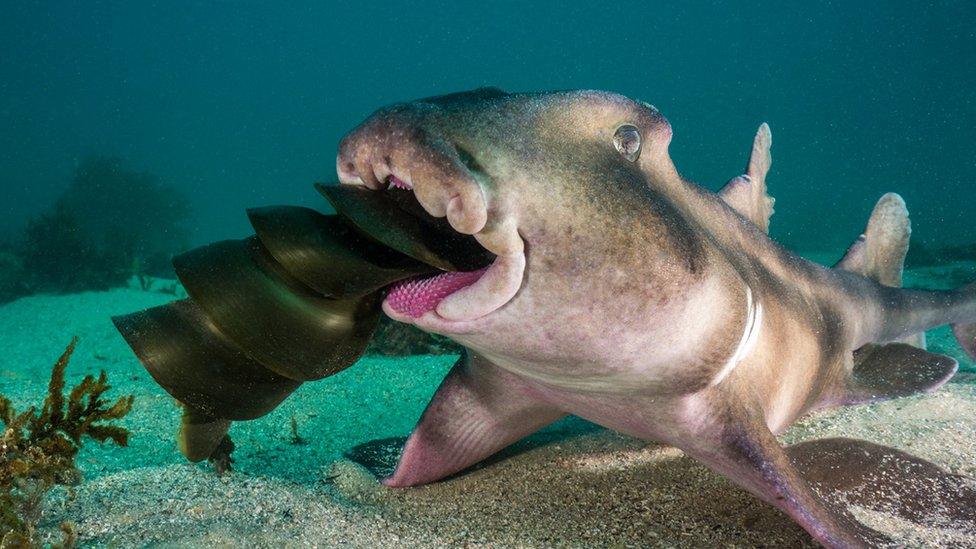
{"x": 198, "y": 111}
{"x": 244, "y": 105}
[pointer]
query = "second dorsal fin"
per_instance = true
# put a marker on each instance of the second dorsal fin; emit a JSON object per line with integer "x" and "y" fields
{"x": 879, "y": 253}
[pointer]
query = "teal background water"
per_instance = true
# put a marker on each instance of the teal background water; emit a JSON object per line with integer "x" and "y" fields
{"x": 243, "y": 103}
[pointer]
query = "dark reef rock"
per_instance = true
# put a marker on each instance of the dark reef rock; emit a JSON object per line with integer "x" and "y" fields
{"x": 110, "y": 224}
{"x": 12, "y": 281}
{"x": 922, "y": 255}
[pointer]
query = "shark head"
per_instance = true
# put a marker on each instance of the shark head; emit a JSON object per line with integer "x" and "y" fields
{"x": 559, "y": 188}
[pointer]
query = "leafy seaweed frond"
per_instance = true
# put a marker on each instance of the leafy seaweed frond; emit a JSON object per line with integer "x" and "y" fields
{"x": 38, "y": 449}
{"x": 6, "y": 411}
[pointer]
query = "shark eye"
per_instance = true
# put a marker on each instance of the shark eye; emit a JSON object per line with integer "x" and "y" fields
{"x": 627, "y": 140}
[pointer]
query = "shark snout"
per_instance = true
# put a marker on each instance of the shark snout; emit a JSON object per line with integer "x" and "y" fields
{"x": 393, "y": 150}
{"x": 402, "y": 148}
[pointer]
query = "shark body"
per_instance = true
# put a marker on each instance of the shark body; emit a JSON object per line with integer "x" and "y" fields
{"x": 627, "y": 295}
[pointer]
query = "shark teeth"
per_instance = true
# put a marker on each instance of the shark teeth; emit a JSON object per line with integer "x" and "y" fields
{"x": 394, "y": 182}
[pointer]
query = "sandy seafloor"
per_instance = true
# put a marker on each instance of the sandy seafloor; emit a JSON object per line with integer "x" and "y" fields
{"x": 571, "y": 485}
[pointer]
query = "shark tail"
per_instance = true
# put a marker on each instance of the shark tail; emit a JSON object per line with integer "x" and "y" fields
{"x": 893, "y": 361}
{"x": 879, "y": 253}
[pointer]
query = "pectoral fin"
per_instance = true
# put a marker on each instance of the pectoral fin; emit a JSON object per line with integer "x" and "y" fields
{"x": 745, "y": 451}
{"x": 478, "y": 410}
{"x": 883, "y": 372}
{"x": 747, "y": 193}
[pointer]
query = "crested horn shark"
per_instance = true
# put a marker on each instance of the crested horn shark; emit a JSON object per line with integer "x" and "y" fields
{"x": 553, "y": 237}
{"x": 629, "y": 296}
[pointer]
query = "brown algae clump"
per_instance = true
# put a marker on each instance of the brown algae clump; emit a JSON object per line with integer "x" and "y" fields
{"x": 37, "y": 450}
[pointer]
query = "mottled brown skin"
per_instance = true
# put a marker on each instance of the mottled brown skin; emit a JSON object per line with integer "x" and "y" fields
{"x": 633, "y": 299}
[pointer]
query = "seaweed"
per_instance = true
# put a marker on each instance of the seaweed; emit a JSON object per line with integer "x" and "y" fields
{"x": 296, "y": 438}
{"x": 221, "y": 459}
{"x": 925, "y": 255}
{"x": 128, "y": 214}
{"x": 38, "y": 448}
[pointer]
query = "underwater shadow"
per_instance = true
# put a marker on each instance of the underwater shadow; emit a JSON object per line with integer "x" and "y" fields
{"x": 380, "y": 456}
{"x": 580, "y": 483}
{"x": 887, "y": 480}
{"x": 586, "y": 484}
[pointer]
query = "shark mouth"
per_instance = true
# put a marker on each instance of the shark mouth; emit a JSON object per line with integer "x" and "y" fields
{"x": 467, "y": 280}
{"x": 420, "y": 295}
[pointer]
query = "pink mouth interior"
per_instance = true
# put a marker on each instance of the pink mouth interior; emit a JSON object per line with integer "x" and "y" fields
{"x": 416, "y": 296}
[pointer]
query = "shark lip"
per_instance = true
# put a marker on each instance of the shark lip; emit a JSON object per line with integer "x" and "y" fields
{"x": 451, "y": 296}
{"x": 456, "y": 296}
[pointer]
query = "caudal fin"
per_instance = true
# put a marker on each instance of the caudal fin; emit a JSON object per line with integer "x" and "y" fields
{"x": 965, "y": 332}
{"x": 879, "y": 253}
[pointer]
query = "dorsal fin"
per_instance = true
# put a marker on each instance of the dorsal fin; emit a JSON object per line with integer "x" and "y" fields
{"x": 747, "y": 193}
{"x": 855, "y": 257}
{"x": 879, "y": 253}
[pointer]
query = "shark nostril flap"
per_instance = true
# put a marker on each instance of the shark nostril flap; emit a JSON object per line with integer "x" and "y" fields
{"x": 395, "y": 219}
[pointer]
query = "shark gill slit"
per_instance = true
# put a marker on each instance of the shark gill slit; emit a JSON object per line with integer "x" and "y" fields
{"x": 750, "y": 334}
